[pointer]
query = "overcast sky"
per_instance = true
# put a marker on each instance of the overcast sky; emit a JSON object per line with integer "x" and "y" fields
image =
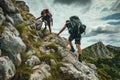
{"x": 102, "y": 18}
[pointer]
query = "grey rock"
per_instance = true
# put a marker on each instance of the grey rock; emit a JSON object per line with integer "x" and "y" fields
{"x": 71, "y": 71}
{"x": 7, "y": 6}
{"x": 1, "y": 11}
{"x": 13, "y": 1}
{"x": 52, "y": 61}
{"x": 2, "y": 19}
{"x": 17, "y": 18}
{"x": 35, "y": 38}
{"x": 2, "y": 72}
{"x": 86, "y": 72}
{"x": 52, "y": 51}
{"x": 22, "y": 5}
{"x": 11, "y": 43}
{"x": 9, "y": 19}
{"x": 34, "y": 60}
{"x": 0, "y": 52}
{"x": 92, "y": 66}
{"x": 30, "y": 52}
{"x": 60, "y": 41}
{"x": 99, "y": 50}
{"x": 8, "y": 67}
{"x": 42, "y": 49}
{"x": 41, "y": 72}
{"x": 40, "y": 34}
{"x": 38, "y": 24}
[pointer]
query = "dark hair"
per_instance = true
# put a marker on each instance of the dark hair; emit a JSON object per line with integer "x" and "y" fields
{"x": 46, "y": 10}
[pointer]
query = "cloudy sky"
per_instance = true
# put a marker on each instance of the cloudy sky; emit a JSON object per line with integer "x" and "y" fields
{"x": 102, "y": 18}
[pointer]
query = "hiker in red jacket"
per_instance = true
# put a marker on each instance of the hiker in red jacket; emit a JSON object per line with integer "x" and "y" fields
{"x": 47, "y": 19}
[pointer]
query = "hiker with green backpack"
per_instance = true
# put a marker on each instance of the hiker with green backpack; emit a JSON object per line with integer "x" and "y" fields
{"x": 75, "y": 29}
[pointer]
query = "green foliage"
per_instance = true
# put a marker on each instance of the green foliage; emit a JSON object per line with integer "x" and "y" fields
{"x": 56, "y": 72}
{"x": 47, "y": 57}
{"x": 22, "y": 28}
{"x": 23, "y": 71}
{"x": 108, "y": 68}
{"x": 52, "y": 46}
{"x": 1, "y": 29}
{"x": 36, "y": 44}
{"x": 26, "y": 15}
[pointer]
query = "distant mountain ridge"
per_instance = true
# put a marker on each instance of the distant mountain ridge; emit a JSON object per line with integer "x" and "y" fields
{"x": 97, "y": 50}
{"x": 106, "y": 59}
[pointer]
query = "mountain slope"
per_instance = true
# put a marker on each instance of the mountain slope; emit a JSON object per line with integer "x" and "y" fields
{"x": 107, "y": 67}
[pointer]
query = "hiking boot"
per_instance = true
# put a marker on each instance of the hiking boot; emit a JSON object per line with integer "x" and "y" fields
{"x": 72, "y": 49}
{"x": 80, "y": 58}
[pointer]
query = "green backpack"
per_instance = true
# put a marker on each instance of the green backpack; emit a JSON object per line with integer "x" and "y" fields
{"x": 75, "y": 26}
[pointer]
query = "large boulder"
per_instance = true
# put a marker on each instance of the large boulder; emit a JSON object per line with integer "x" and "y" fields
{"x": 11, "y": 43}
{"x": 7, "y": 6}
{"x": 7, "y": 68}
{"x": 1, "y": 11}
{"x": 17, "y": 18}
{"x": 0, "y": 52}
{"x": 22, "y": 5}
{"x": 83, "y": 71}
{"x": 40, "y": 72}
{"x": 2, "y": 17}
{"x": 63, "y": 42}
{"x": 2, "y": 72}
{"x": 32, "y": 61}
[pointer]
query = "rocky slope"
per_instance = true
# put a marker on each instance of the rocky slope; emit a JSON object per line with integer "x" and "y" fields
{"x": 28, "y": 53}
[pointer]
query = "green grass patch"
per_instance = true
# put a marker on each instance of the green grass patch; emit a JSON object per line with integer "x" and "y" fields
{"x": 22, "y": 28}
{"x": 23, "y": 71}
{"x": 52, "y": 46}
{"x": 1, "y": 29}
{"x": 56, "y": 72}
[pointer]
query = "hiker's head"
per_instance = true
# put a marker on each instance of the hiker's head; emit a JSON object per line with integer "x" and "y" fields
{"x": 46, "y": 10}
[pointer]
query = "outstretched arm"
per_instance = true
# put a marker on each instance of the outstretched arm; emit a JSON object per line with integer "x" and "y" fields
{"x": 38, "y": 17}
{"x": 62, "y": 29}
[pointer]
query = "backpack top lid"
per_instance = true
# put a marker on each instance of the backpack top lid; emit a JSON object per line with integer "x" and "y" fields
{"x": 74, "y": 18}
{"x": 75, "y": 25}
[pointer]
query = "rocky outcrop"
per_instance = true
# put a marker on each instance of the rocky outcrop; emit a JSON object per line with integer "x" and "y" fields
{"x": 75, "y": 68}
{"x": 11, "y": 43}
{"x": 32, "y": 61}
{"x": 41, "y": 71}
{"x": 7, "y": 6}
{"x": 2, "y": 17}
{"x": 11, "y": 12}
{"x": 97, "y": 50}
{"x": 22, "y": 5}
{"x": 7, "y": 68}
